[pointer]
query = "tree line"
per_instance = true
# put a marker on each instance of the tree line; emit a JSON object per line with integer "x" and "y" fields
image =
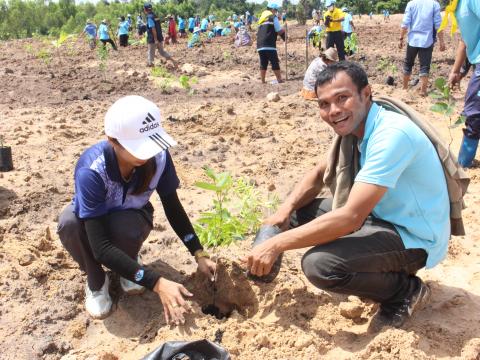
{"x": 27, "y": 18}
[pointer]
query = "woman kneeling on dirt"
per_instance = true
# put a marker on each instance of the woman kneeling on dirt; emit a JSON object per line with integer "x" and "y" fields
{"x": 111, "y": 215}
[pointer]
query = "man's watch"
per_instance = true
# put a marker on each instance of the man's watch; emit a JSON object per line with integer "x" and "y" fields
{"x": 201, "y": 254}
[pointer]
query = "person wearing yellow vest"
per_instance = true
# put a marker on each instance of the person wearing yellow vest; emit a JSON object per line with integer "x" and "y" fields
{"x": 466, "y": 14}
{"x": 268, "y": 29}
{"x": 333, "y": 19}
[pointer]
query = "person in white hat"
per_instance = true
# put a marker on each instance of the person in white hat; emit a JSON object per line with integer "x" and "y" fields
{"x": 111, "y": 215}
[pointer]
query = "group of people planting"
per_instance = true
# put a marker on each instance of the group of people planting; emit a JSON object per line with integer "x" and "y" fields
{"x": 394, "y": 191}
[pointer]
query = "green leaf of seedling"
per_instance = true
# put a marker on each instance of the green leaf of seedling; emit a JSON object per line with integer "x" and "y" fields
{"x": 210, "y": 173}
{"x": 222, "y": 180}
{"x": 436, "y": 95}
{"x": 439, "y": 107}
{"x": 206, "y": 186}
{"x": 449, "y": 111}
{"x": 440, "y": 83}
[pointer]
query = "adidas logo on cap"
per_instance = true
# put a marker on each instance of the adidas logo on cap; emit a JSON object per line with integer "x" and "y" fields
{"x": 150, "y": 123}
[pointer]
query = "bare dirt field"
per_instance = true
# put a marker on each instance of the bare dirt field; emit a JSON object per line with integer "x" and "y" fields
{"x": 51, "y": 112}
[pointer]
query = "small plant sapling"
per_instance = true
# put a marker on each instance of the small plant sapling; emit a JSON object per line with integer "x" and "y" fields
{"x": 102, "y": 54}
{"x": 445, "y": 104}
{"x": 351, "y": 44}
{"x": 160, "y": 71}
{"x": 186, "y": 82}
{"x": 44, "y": 55}
{"x": 389, "y": 69}
{"x": 237, "y": 210}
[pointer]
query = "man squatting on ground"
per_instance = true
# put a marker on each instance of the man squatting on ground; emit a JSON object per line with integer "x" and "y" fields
{"x": 111, "y": 215}
{"x": 154, "y": 36}
{"x": 467, "y": 14}
{"x": 396, "y": 218}
{"x": 268, "y": 28}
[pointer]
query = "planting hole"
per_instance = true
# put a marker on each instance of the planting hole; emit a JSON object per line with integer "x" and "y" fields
{"x": 214, "y": 310}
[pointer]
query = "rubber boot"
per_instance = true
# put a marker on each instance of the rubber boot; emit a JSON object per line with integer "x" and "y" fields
{"x": 467, "y": 151}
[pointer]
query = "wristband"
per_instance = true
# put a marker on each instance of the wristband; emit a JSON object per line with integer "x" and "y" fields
{"x": 201, "y": 254}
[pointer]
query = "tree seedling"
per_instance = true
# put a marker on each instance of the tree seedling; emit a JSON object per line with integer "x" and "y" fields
{"x": 102, "y": 54}
{"x": 351, "y": 44}
{"x": 236, "y": 210}
{"x": 160, "y": 71}
{"x": 389, "y": 69}
{"x": 186, "y": 82}
{"x": 445, "y": 104}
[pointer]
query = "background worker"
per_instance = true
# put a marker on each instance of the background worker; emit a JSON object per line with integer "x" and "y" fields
{"x": 421, "y": 20}
{"x": 333, "y": 18}
{"x": 141, "y": 27}
{"x": 154, "y": 36}
{"x": 348, "y": 27}
{"x": 318, "y": 64}
{"x": 172, "y": 30}
{"x": 104, "y": 34}
{"x": 181, "y": 27}
{"x": 268, "y": 29}
{"x": 123, "y": 28}
{"x": 90, "y": 31}
{"x": 467, "y": 14}
{"x": 111, "y": 215}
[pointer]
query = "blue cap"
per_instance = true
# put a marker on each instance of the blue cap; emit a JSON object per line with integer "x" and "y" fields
{"x": 329, "y": 3}
{"x": 147, "y": 6}
{"x": 272, "y": 5}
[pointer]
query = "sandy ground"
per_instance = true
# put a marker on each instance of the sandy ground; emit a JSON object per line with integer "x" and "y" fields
{"x": 51, "y": 112}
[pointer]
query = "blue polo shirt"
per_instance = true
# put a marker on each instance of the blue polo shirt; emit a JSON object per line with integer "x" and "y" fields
{"x": 420, "y": 17}
{"x": 396, "y": 154}
{"x": 347, "y": 27}
{"x": 204, "y": 24}
{"x": 468, "y": 17}
{"x": 123, "y": 28}
{"x": 103, "y": 32}
{"x": 100, "y": 189}
{"x": 191, "y": 23}
{"x": 90, "y": 30}
{"x": 181, "y": 23}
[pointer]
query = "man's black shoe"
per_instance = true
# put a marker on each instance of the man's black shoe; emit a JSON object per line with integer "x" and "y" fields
{"x": 414, "y": 302}
{"x": 395, "y": 315}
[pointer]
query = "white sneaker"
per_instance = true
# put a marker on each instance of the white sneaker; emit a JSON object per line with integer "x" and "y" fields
{"x": 129, "y": 287}
{"x": 98, "y": 303}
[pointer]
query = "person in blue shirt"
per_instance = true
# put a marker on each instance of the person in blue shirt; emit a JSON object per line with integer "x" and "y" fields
{"x": 130, "y": 21}
{"x": 90, "y": 31}
{"x": 155, "y": 37}
{"x": 111, "y": 215}
{"x": 268, "y": 29}
{"x": 181, "y": 27}
{"x": 122, "y": 31}
{"x": 141, "y": 27}
{"x": 104, "y": 34}
{"x": 396, "y": 219}
{"x": 347, "y": 24}
{"x": 204, "y": 25}
{"x": 196, "y": 39}
{"x": 191, "y": 24}
{"x": 467, "y": 14}
{"x": 421, "y": 20}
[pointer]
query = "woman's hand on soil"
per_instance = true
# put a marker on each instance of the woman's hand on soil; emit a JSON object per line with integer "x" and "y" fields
{"x": 174, "y": 305}
{"x": 261, "y": 258}
{"x": 208, "y": 267}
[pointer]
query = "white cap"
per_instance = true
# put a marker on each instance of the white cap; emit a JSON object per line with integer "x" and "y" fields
{"x": 135, "y": 122}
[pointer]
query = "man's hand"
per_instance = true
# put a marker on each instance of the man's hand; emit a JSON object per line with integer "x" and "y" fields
{"x": 280, "y": 219}
{"x": 207, "y": 267}
{"x": 171, "y": 295}
{"x": 261, "y": 258}
{"x": 454, "y": 79}
{"x": 400, "y": 44}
